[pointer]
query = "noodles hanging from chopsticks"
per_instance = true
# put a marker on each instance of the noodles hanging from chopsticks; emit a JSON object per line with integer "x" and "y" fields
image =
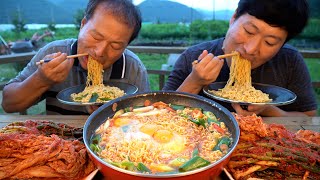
{"x": 95, "y": 90}
{"x": 95, "y": 72}
{"x": 239, "y": 86}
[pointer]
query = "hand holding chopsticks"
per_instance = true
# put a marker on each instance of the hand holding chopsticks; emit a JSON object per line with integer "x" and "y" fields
{"x": 220, "y": 57}
{"x": 71, "y": 56}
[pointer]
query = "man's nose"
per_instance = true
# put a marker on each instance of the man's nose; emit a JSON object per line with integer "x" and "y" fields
{"x": 100, "y": 49}
{"x": 252, "y": 45}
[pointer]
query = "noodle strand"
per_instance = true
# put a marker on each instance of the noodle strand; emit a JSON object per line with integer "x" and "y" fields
{"x": 239, "y": 86}
{"x": 95, "y": 86}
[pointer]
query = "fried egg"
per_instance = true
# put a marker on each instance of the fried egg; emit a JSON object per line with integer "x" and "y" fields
{"x": 168, "y": 141}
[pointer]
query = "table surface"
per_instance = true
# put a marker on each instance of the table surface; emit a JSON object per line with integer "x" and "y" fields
{"x": 291, "y": 123}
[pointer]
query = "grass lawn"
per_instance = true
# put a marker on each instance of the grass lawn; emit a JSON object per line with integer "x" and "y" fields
{"x": 153, "y": 61}
{"x": 314, "y": 68}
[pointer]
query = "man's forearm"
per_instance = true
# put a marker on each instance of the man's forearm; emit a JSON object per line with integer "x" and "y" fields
{"x": 189, "y": 86}
{"x": 20, "y": 96}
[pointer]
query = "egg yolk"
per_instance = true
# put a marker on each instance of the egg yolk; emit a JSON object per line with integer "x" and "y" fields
{"x": 149, "y": 129}
{"x": 121, "y": 121}
{"x": 163, "y": 136}
{"x": 176, "y": 145}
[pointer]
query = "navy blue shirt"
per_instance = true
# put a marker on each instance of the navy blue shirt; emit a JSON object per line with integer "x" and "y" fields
{"x": 286, "y": 69}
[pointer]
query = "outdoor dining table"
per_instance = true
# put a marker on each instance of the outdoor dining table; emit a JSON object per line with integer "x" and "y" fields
{"x": 291, "y": 123}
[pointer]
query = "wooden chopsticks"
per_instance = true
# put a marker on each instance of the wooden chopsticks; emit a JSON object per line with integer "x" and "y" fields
{"x": 220, "y": 56}
{"x": 228, "y": 55}
{"x": 71, "y": 56}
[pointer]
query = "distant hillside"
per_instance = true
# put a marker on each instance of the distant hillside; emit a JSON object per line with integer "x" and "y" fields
{"x": 70, "y": 5}
{"x": 167, "y": 11}
{"x": 217, "y": 15}
{"x": 34, "y": 11}
{"x": 62, "y": 11}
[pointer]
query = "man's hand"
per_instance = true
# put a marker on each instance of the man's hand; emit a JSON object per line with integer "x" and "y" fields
{"x": 55, "y": 71}
{"x": 269, "y": 110}
{"x": 248, "y": 110}
{"x": 203, "y": 73}
{"x": 207, "y": 70}
{"x": 91, "y": 109}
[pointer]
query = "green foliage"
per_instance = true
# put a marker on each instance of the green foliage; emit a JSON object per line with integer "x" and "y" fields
{"x": 198, "y": 29}
{"x": 314, "y": 8}
{"x": 164, "y": 31}
{"x": 314, "y": 66}
{"x": 18, "y": 23}
{"x": 66, "y": 33}
{"x": 78, "y": 17}
{"x": 7, "y": 72}
{"x": 60, "y": 33}
{"x": 52, "y": 26}
{"x": 312, "y": 30}
{"x": 211, "y": 29}
{"x": 153, "y": 61}
{"x": 10, "y": 36}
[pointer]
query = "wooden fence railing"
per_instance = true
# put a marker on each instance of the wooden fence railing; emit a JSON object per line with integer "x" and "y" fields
{"x": 24, "y": 57}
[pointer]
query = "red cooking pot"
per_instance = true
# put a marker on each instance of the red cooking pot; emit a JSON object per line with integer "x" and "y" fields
{"x": 107, "y": 111}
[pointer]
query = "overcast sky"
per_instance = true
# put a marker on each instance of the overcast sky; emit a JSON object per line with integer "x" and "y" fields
{"x": 205, "y": 4}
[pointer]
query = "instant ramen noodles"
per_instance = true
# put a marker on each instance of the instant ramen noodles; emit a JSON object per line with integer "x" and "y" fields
{"x": 161, "y": 138}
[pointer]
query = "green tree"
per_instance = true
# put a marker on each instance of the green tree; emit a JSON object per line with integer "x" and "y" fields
{"x": 52, "y": 26}
{"x": 314, "y": 8}
{"x": 78, "y": 17}
{"x": 208, "y": 29}
{"x": 18, "y": 23}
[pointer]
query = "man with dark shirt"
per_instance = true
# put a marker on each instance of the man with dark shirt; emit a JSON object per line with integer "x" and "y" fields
{"x": 258, "y": 30}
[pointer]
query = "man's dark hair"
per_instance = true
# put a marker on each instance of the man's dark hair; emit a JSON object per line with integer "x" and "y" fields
{"x": 123, "y": 10}
{"x": 291, "y": 15}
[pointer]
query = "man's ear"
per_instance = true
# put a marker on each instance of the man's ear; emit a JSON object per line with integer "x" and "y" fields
{"x": 83, "y": 22}
{"x": 233, "y": 18}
